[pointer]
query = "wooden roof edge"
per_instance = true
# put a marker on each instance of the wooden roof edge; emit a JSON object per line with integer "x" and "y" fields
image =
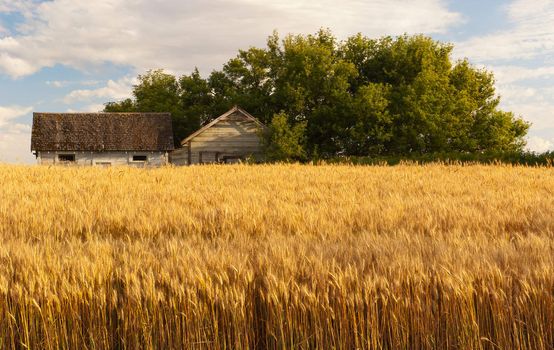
{"x": 102, "y": 113}
{"x": 226, "y": 114}
{"x": 250, "y": 116}
{"x": 106, "y": 150}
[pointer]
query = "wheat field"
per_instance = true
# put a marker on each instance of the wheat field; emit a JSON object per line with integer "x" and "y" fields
{"x": 277, "y": 257}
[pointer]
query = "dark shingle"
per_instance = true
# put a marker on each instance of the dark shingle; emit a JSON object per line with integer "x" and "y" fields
{"x": 102, "y": 132}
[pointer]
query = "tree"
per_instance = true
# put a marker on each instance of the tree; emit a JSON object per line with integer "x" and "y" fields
{"x": 196, "y": 102}
{"x": 485, "y": 128}
{"x": 361, "y": 96}
{"x": 435, "y": 105}
{"x": 283, "y": 142}
{"x": 127, "y": 105}
{"x": 312, "y": 86}
{"x": 157, "y": 91}
{"x": 371, "y": 124}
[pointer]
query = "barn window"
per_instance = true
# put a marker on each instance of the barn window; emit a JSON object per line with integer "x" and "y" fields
{"x": 140, "y": 158}
{"x": 66, "y": 157}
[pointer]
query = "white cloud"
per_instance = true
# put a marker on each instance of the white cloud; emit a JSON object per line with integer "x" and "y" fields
{"x": 507, "y": 74}
{"x": 539, "y": 144}
{"x": 539, "y": 113}
{"x": 515, "y": 93}
{"x": 92, "y": 108}
{"x": 521, "y": 59}
{"x": 64, "y": 83}
{"x": 15, "y": 140}
{"x": 179, "y": 35}
{"x": 23, "y": 6}
{"x": 534, "y": 104}
{"x": 58, "y": 83}
{"x": 17, "y": 67}
{"x": 10, "y": 113}
{"x": 531, "y": 35}
{"x": 114, "y": 90}
{"x": 11, "y": 5}
{"x": 15, "y": 144}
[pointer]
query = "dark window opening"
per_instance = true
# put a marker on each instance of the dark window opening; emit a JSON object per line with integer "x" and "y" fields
{"x": 66, "y": 157}
{"x": 140, "y": 158}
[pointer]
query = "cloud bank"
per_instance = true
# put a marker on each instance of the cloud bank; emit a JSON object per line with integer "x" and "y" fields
{"x": 15, "y": 143}
{"x": 179, "y": 35}
{"x": 522, "y": 59}
{"x": 531, "y": 35}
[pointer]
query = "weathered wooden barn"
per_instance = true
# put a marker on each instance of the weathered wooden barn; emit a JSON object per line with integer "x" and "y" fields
{"x": 102, "y": 139}
{"x": 229, "y": 138}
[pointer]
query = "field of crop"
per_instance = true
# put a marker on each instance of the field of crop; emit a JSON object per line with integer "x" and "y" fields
{"x": 279, "y": 257}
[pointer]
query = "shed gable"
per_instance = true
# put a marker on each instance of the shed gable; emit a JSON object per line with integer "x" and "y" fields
{"x": 236, "y": 118}
{"x": 232, "y": 136}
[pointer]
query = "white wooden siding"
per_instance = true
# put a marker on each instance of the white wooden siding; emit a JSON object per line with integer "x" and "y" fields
{"x": 233, "y": 136}
{"x": 104, "y": 158}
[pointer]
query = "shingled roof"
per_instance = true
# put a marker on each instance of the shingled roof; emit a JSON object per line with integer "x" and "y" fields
{"x": 102, "y": 132}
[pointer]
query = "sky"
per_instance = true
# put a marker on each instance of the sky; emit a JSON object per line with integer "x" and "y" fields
{"x": 75, "y": 55}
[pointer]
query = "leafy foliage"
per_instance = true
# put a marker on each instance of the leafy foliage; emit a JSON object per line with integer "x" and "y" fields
{"x": 359, "y": 97}
{"x": 157, "y": 91}
{"x": 488, "y": 157}
{"x": 283, "y": 142}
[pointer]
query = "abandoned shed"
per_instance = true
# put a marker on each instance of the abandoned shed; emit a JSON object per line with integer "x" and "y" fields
{"x": 102, "y": 139}
{"x": 229, "y": 138}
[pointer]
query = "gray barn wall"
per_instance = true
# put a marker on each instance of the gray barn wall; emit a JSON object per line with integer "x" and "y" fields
{"x": 114, "y": 158}
{"x": 179, "y": 156}
{"x": 234, "y": 136}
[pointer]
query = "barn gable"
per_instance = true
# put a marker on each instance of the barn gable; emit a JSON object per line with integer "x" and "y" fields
{"x": 232, "y": 136}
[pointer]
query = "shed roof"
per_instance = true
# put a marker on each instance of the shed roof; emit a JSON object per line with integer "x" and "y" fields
{"x": 102, "y": 132}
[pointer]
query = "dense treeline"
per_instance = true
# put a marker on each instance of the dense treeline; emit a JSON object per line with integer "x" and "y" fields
{"x": 513, "y": 157}
{"x": 322, "y": 97}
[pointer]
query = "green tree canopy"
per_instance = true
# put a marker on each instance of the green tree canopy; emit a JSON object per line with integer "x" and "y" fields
{"x": 157, "y": 91}
{"x": 283, "y": 142}
{"x": 360, "y": 96}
